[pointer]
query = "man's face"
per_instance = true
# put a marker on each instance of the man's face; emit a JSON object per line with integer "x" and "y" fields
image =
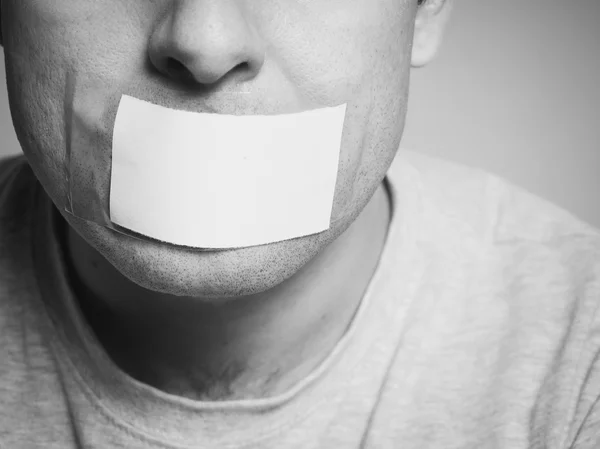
{"x": 186, "y": 54}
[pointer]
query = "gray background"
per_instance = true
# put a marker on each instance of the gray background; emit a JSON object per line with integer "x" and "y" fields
{"x": 515, "y": 90}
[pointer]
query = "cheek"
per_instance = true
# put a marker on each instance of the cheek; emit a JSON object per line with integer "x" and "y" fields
{"x": 372, "y": 134}
{"x": 375, "y": 119}
{"x": 35, "y": 90}
{"x": 46, "y": 42}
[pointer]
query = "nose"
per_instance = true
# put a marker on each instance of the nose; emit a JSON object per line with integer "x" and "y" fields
{"x": 205, "y": 41}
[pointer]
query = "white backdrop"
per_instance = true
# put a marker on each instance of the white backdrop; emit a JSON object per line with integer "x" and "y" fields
{"x": 515, "y": 90}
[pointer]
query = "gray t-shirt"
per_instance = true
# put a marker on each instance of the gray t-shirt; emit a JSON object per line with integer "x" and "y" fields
{"x": 479, "y": 330}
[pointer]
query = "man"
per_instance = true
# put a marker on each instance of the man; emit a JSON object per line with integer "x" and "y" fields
{"x": 442, "y": 308}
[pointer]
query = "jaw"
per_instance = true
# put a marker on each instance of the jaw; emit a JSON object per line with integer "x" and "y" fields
{"x": 214, "y": 275}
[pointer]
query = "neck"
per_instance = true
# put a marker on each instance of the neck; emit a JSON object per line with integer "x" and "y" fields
{"x": 248, "y": 347}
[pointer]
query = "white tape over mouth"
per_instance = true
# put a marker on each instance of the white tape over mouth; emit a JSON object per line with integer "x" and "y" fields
{"x": 209, "y": 180}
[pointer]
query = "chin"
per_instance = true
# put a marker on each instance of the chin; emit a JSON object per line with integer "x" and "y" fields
{"x": 210, "y": 275}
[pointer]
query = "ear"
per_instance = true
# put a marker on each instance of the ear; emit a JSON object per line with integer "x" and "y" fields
{"x": 430, "y": 24}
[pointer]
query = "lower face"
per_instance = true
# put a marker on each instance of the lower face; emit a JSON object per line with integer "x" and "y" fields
{"x": 355, "y": 52}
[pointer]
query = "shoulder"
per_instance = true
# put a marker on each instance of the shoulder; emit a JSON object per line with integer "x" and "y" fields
{"x": 541, "y": 261}
{"x": 537, "y": 250}
{"x": 494, "y": 209}
{"x": 539, "y": 246}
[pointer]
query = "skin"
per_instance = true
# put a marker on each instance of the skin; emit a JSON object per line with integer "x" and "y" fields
{"x": 246, "y": 322}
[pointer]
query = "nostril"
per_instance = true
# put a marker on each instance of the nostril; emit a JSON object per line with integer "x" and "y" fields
{"x": 175, "y": 67}
{"x": 177, "y": 71}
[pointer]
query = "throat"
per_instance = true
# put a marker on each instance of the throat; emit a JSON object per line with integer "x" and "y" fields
{"x": 201, "y": 374}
